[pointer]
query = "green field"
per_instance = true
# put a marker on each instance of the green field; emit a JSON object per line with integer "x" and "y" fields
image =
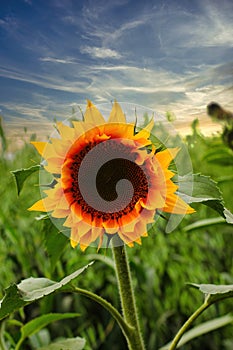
{"x": 160, "y": 267}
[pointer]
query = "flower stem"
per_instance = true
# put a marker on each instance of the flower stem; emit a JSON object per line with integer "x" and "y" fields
{"x": 134, "y": 339}
{"x": 114, "y": 312}
{"x": 187, "y": 324}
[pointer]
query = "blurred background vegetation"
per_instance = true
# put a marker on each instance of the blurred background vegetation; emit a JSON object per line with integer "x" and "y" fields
{"x": 160, "y": 267}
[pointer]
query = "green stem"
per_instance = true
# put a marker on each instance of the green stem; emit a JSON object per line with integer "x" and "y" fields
{"x": 134, "y": 339}
{"x": 2, "y": 342}
{"x": 187, "y": 324}
{"x": 18, "y": 345}
{"x": 116, "y": 315}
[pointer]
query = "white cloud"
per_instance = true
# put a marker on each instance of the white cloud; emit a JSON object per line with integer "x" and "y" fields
{"x": 100, "y": 52}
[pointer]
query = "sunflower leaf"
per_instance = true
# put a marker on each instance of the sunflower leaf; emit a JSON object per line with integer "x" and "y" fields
{"x": 32, "y": 289}
{"x": 21, "y": 175}
{"x": 67, "y": 344}
{"x": 198, "y": 188}
{"x": 201, "y": 329}
{"x": 213, "y": 292}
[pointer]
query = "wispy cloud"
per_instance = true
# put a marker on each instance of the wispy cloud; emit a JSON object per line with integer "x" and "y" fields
{"x": 57, "y": 60}
{"x": 45, "y": 81}
{"x": 100, "y": 52}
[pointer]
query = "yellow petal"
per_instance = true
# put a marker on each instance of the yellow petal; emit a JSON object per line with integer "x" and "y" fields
{"x": 165, "y": 157}
{"x": 74, "y": 237}
{"x": 138, "y": 241}
{"x": 38, "y": 206}
{"x": 81, "y": 127}
{"x": 73, "y": 243}
{"x": 85, "y": 240}
{"x": 93, "y": 115}
{"x": 145, "y": 132}
{"x": 65, "y": 131}
{"x": 40, "y": 146}
{"x": 176, "y": 205}
{"x": 116, "y": 115}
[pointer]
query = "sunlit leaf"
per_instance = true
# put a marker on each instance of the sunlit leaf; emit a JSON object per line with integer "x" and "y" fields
{"x": 22, "y": 174}
{"x": 229, "y": 216}
{"x": 213, "y": 292}
{"x": 198, "y": 188}
{"x": 202, "y": 188}
{"x": 67, "y": 344}
{"x": 204, "y": 223}
{"x": 40, "y": 322}
{"x": 32, "y": 289}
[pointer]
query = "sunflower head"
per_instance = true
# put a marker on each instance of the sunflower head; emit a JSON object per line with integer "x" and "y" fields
{"x": 109, "y": 179}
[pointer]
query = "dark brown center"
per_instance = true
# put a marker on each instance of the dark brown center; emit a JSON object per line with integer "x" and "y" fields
{"x": 109, "y": 174}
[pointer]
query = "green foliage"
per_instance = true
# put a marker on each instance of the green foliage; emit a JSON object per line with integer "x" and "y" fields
{"x": 3, "y": 137}
{"x": 205, "y": 327}
{"x": 200, "y": 251}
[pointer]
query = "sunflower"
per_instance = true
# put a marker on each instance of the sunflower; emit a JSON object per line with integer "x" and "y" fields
{"x": 109, "y": 179}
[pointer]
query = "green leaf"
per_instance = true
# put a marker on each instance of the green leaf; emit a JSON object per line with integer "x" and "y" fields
{"x": 40, "y": 322}
{"x": 202, "y": 188}
{"x": 32, "y": 289}
{"x": 201, "y": 329}
{"x": 22, "y": 174}
{"x": 213, "y": 292}
{"x": 221, "y": 156}
{"x": 198, "y": 188}
{"x": 67, "y": 344}
{"x": 11, "y": 301}
{"x": 55, "y": 242}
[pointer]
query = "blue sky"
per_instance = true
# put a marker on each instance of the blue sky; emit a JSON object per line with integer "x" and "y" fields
{"x": 167, "y": 55}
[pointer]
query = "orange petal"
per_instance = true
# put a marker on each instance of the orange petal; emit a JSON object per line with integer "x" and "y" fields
{"x": 117, "y": 130}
